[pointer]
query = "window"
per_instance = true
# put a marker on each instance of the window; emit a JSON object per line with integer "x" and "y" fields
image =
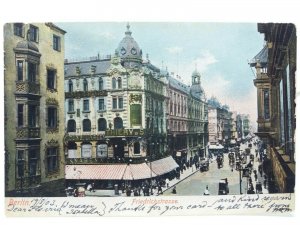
{"x": 20, "y": 70}
{"x": 71, "y": 126}
{"x": 85, "y": 85}
{"x": 18, "y": 29}
{"x": 32, "y": 162}
{"x": 20, "y": 115}
{"x": 31, "y": 72}
{"x": 21, "y": 163}
{"x": 119, "y": 83}
{"x": 102, "y": 125}
{"x": 32, "y": 115}
{"x": 86, "y": 105}
{"x": 120, "y": 103}
{"x": 266, "y": 104}
{"x": 51, "y": 81}
{"x": 117, "y": 103}
{"x": 86, "y": 124}
{"x": 70, "y": 86}
{"x": 52, "y": 160}
{"x": 56, "y": 43}
{"x": 101, "y": 104}
{"x": 33, "y": 33}
{"x": 52, "y": 117}
{"x": 71, "y": 105}
{"x": 100, "y": 84}
{"x": 114, "y": 106}
{"x": 136, "y": 148}
{"x": 114, "y": 83}
{"x": 118, "y": 123}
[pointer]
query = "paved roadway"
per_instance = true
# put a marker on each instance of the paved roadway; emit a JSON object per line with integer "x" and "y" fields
{"x": 196, "y": 184}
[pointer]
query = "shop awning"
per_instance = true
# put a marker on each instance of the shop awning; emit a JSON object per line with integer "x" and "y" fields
{"x": 138, "y": 172}
{"x": 95, "y": 172}
{"x": 163, "y": 166}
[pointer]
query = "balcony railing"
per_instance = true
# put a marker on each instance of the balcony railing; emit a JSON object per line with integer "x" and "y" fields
{"x": 28, "y": 132}
{"x": 26, "y": 87}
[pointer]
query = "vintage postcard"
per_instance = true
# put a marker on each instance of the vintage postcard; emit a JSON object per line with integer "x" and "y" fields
{"x": 149, "y": 119}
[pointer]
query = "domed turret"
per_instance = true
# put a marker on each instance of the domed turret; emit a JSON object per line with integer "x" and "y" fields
{"x": 129, "y": 50}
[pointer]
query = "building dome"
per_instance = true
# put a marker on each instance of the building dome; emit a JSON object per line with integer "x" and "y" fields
{"x": 27, "y": 45}
{"x": 128, "y": 47}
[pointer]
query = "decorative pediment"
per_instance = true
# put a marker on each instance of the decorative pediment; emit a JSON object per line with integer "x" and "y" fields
{"x": 51, "y": 101}
{"x": 116, "y": 68}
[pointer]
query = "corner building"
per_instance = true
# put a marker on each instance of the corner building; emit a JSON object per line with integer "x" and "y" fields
{"x": 115, "y": 118}
{"x": 34, "y": 111}
{"x": 275, "y": 79}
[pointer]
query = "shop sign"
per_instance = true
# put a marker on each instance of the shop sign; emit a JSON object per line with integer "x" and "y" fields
{"x": 102, "y": 151}
{"x": 125, "y": 132}
{"x": 86, "y": 151}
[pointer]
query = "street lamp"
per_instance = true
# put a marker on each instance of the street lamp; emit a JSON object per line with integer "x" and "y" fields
{"x": 240, "y": 168}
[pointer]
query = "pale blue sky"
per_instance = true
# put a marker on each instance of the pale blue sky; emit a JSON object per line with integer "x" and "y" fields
{"x": 219, "y": 50}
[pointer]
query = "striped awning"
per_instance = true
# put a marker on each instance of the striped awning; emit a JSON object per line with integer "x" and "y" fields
{"x": 120, "y": 171}
{"x": 138, "y": 172}
{"x": 163, "y": 166}
{"x": 95, "y": 172}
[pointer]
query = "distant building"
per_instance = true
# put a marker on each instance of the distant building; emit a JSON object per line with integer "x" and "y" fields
{"x": 275, "y": 68}
{"x": 34, "y": 110}
{"x": 219, "y": 122}
{"x": 177, "y": 117}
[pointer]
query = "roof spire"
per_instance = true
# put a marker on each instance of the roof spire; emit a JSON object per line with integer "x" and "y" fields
{"x": 128, "y": 32}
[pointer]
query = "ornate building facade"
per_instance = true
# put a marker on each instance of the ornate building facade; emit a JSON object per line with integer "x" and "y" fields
{"x": 275, "y": 82}
{"x": 34, "y": 111}
{"x": 116, "y": 114}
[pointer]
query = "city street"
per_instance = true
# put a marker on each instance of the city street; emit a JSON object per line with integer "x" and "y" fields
{"x": 196, "y": 183}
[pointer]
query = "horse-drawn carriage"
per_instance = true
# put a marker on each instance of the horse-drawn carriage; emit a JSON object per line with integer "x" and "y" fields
{"x": 220, "y": 161}
{"x": 204, "y": 164}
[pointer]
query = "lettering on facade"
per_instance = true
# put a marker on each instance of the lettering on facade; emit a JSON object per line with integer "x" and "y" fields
{"x": 125, "y": 132}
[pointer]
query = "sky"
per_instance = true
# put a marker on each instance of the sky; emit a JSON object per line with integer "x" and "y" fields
{"x": 219, "y": 51}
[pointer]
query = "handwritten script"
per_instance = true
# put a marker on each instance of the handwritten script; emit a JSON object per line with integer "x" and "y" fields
{"x": 282, "y": 204}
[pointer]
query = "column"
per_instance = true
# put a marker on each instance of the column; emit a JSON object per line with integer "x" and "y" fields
{"x": 94, "y": 149}
{"x": 78, "y": 152}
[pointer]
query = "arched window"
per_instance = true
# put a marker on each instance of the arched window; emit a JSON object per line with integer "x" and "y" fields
{"x": 102, "y": 124}
{"x": 100, "y": 83}
{"x": 118, "y": 123}
{"x": 85, "y": 85}
{"x": 137, "y": 148}
{"x": 71, "y": 126}
{"x": 70, "y": 86}
{"x": 86, "y": 124}
{"x": 114, "y": 85}
{"x": 119, "y": 83}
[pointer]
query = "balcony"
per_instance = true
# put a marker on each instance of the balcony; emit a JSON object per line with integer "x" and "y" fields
{"x": 25, "y": 87}
{"x": 28, "y": 132}
{"x": 85, "y": 94}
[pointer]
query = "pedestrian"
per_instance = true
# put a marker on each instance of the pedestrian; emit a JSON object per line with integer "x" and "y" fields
{"x": 159, "y": 190}
{"x": 93, "y": 187}
{"x": 167, "y": 182}
{"x": 174, "y": 190}
{"x": 206, "y": 191}
{"x": 89, "y": 187}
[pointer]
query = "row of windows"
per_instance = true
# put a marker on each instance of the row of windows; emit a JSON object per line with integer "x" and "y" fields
{"x": 33, "y": 158}
{"x": 33, "y": 35}
{"x": 33, "y": 116}
{"x": 86, "y": 124}
{"x": 117, "y": 103}
{"x": 116, "y": 84}
{"x": 32, "y": 72}
{"x": 101, "y": 152}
